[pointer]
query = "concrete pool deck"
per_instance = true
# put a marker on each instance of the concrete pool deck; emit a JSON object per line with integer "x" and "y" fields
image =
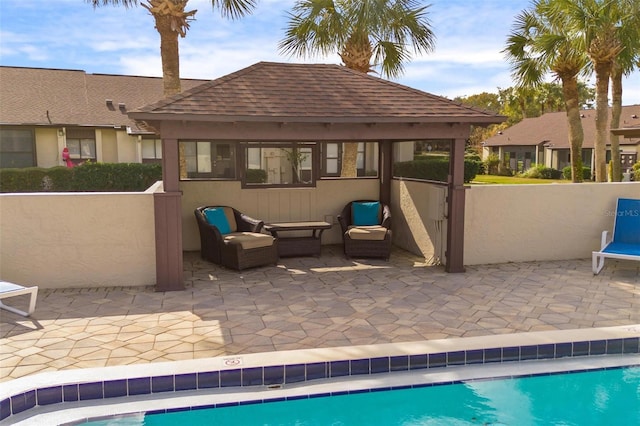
{"x": 307, "y": 303}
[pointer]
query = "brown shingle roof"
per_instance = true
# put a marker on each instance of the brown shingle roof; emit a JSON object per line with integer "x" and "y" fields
{"x": 39, "y": 96}
{"x": 269, "y": 91}
{"x": 552, "y": 128}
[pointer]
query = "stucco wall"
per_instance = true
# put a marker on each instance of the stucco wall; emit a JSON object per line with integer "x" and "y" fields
{"x": 106, "y": 140}
{"x": 47, "y": 152}
{"x": 516, "y": 223}
{"x": 127, "y": 148}
{"x": 418, "y": 217}
{"x": 274, "y": 204}
{"x": 77, "y": 239}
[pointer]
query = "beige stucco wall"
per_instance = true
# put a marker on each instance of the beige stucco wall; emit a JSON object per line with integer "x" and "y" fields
{"x": 106, "y": 147}
{"x": 418, "y": 213}
{"x": 77, "y": 239}
{"x": 516, "y": 223}
{"x": 47, "y": 152}
{"x": 127, "y": 148}
{"x": 275, "y": 204}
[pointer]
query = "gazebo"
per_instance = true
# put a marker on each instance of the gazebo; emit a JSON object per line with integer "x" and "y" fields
{"x": 305, "y": 106}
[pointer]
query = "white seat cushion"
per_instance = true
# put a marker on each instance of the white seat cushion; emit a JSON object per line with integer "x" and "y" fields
{"x": 249, "y": 240}
{"x": 371, "y": 233}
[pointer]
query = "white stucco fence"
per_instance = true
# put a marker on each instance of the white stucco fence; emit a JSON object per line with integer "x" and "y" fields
{"x": 519, "y": 223}
{"x": 59, "y": 240}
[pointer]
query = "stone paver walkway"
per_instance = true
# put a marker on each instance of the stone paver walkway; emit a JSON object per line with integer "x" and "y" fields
{"x": 311, "y": 303}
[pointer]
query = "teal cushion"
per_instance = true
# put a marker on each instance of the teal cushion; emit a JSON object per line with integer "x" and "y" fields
{"x": 217, "y": 218}
{"x": 365, "y": 214}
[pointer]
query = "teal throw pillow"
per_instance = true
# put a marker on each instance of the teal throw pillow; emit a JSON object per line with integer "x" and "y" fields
{"x": 365, "y": 214}
{"x": 217, "y": 218}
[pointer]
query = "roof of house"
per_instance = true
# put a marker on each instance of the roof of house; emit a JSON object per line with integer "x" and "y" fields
{"x": 627, "y": 132}
{"x": 551, "y": 129}
{"x": 284, "y": 92}
{"x": 41, "y": 97}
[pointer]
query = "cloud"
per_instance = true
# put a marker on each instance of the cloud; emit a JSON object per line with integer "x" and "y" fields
{"x": 18, "y": 46}
{"x": 142, "y": 65}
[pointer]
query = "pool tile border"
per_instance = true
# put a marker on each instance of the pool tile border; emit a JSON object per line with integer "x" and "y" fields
{"x": 301, "y": 372}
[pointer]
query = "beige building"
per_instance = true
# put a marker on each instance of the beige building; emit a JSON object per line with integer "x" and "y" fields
{"x": 42, "y": 111}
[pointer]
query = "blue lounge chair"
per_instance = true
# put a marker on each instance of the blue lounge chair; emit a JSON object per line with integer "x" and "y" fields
{"x": 625, "y": 243}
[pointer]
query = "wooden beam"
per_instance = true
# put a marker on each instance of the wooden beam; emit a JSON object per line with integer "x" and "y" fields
{"x": 386, "y": 168}
{"x": 456, "y": 201}
{"x": 168, "y": 222}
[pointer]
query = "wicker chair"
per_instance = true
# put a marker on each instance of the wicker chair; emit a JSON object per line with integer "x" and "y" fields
{"x": 366, "y": 241}
{"x": 244, "y": 247}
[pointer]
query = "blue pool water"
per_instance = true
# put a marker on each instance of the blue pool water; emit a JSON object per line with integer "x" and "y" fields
{"x": 600, "y": 397}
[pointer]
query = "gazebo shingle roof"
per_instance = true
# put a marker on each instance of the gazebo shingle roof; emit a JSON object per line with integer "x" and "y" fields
{"x": 269, "y": 91}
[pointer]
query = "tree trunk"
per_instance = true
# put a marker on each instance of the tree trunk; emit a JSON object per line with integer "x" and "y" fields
{"x": 576, "y": 134}
{"x": 616, "y": 112}
{"x": 170, "y": 70}
{"x": 356, "y": 55}
{"x": 169, "y": 54}
{"x": 603, "y": 72}
{"x": 349, "y": 159}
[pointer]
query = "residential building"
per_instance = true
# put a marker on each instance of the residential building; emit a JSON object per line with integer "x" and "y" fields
{"x": 42, "y": 111}
{"x": 545, "y": 140}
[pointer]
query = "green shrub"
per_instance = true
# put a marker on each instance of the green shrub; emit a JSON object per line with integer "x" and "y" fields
{"x": 534, "y": 171}
{"x": 491, "y": 164}
{"x": 586, "y": 173}
{"x": 435, "y": 168}
{"x": 256, "y": 176}
{"x": 540, "y": 171}
{"x": 549, "y": 173}
{"x": 99, "y": 177}
{"x": 504, "y": 170}
{"x": 636, "y": 172}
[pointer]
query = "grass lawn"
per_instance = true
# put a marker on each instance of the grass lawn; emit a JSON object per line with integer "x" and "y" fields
{"x": 512, "y": 180}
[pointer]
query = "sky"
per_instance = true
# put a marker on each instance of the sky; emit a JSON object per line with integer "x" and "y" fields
{"x": 71, "y": 34}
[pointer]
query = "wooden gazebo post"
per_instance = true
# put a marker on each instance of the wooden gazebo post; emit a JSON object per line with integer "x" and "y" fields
{"x": 455, "y": 220}
{"x": 168, "y": 222}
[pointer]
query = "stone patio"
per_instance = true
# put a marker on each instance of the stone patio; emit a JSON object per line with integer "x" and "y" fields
{"x": 311, "y": 302}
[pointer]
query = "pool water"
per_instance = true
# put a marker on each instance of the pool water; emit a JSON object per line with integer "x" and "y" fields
{"x": 600, "y": 397}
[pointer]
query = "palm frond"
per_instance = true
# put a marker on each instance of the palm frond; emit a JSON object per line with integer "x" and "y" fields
{"x": 394, "y": 26}
{"x": 125, "y": 3}
{"x": 234, "y": 9}
{"x": 315, "y": 26}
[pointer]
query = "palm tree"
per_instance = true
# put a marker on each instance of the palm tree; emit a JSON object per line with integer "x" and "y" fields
{"x": 599, "y": 22}
{"x": 366, "y": 34}
{"x": 537, "y": 45}
{"x": 623, "y": 65}
{"x": 172, "y": 20}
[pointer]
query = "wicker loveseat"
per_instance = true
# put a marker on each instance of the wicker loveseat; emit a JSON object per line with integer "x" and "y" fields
{"x": 366, "y": 236}
{"x": 236, "y": 242}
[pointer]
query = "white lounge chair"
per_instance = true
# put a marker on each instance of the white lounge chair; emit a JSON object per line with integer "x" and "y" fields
{"x": 8, "y": 289}
{"x": 625, "y": 243}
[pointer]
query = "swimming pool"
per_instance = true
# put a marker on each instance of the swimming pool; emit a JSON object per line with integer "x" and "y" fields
{"x": 597, "y": 397}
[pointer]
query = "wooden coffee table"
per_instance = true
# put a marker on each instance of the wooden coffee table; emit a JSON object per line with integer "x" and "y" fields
{"x": 296, "y": 245}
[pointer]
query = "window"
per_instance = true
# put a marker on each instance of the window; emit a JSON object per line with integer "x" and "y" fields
{"x": 366, "y": 160}
{"x": 81, "y": 144}
{"x": 424, "y": 160}
{"x": 279, "y": 164}
{"x": 151, "y": 150}
{"x": 332, "y": 159}
{"x": 17, "y": 148}
{"x": 205, "y": 159}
